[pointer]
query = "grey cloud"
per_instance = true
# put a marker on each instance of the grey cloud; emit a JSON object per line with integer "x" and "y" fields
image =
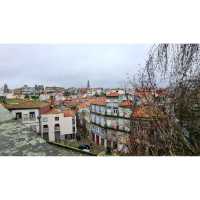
{"x": 69, "y": 65}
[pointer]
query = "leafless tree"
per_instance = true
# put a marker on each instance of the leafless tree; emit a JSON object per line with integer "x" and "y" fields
{"x": 175, "y": 67}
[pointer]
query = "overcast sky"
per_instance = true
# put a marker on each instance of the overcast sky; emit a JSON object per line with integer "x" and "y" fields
{"x": 69, "y": 65}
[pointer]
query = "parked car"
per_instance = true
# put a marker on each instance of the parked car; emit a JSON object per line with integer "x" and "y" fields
{"x": 84, "y": 147}
{"x": 86, "y": 150}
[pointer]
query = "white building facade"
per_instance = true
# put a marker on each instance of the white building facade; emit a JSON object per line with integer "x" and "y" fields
{"x": 29, "y": 117}
{"x": 58, "y": 126}
{"x": 28, "y": 113}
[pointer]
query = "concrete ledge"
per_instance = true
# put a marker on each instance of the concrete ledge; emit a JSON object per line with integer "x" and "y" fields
{"x": 73, "y": 149}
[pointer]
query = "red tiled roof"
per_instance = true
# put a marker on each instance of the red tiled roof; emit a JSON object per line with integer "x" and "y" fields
{"x": 53, "y": 112}
{"x": 126, "y": 104}
{"x": 99, "y": 101}
{"x": 148, "y": 92}
{"x": 112, "y": 94}
{"x": 143, "y": 93}
{"x": 162, "y": 92}
{"x": 147, "y": 112}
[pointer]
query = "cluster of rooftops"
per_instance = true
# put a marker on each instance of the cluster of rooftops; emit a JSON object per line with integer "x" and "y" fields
{"x": 45, "y": 107}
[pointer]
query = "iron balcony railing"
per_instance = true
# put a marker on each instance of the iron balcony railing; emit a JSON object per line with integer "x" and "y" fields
{"x": 113, "y": 114}
{"x": 113, "y": 127}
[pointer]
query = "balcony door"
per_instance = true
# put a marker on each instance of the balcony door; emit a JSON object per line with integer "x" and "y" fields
{"x": 57, "y": 132}
{"x": 46, "y": 132}
{"x": 97, "y": 139}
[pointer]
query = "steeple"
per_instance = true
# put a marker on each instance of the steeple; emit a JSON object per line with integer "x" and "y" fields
{"x": 88, "y": 84}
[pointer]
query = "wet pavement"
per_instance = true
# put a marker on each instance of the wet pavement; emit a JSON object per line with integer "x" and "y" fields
{"x": 18, "y": 140}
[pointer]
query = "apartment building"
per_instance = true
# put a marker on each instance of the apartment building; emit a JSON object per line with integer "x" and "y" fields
{"x": 54, "y": 89}
{"x": 94, "y": 92}
{"x": 110, "y": 120}
{"x": 39, "y": 89}
{"x": 26, "y": 90}
{"x": 57, "y": 125}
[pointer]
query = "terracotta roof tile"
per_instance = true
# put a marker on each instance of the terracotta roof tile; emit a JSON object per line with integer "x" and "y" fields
{"x": 112, "y": 94}
{"x": 148, "y": 92}
{"x": 126, "y": 104}
{"x": 53, "y": 112}
{"x": 147, "y": 112}
{"x": 99, "y": 101}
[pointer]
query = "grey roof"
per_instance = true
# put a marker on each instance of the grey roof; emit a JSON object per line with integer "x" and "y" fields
{"x": 18, "y": 140}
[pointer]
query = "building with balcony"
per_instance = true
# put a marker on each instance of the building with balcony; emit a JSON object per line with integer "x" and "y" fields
{"x": 110, "y": 120}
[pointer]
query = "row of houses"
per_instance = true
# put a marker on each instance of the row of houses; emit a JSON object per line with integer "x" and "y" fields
{"x": 119, "y": 120}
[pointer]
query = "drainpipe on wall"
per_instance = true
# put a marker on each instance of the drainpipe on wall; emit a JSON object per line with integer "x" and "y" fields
{"x": 40, "y": 128}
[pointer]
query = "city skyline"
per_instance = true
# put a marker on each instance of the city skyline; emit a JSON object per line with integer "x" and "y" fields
{"x": 69, "y": 65}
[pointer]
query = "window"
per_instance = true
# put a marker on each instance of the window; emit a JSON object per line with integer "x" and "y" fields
{"x": 57, "y": 127}
{"x": 18, "y": 115}
{"x": 45, "y": 129}
{"x": 56, "y": 118}
{"x": 32, "y": 115}
{"x": 114, "y": 145}
{"x": 74, "y": 129}
{"x": 115, "y": 110}
{"x": 73, "y": 136}
{"x": 46, "y": 132}
{"x": 57, "y": 132}
{"x": 66, "y": 136}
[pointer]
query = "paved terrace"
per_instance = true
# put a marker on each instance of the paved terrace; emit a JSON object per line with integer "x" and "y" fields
{"x": 18, "y": 140}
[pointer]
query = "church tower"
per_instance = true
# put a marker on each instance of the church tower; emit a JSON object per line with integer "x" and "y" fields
{"x": 88, "y": 84}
